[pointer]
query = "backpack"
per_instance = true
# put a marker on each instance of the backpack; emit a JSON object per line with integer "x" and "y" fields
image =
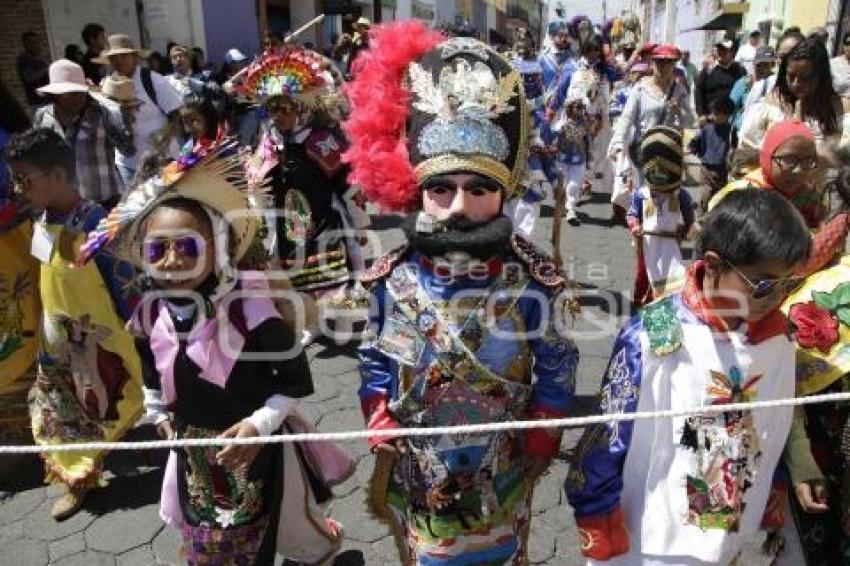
{"x": 147, "y": 84}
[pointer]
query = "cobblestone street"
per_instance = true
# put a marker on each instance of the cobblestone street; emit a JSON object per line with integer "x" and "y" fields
{"x": 120, "y": 525}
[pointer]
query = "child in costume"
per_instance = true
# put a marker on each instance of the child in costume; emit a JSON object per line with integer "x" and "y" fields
{"x": 713, "y": 141}
{"x": 219, "y": 361}
{"x": 317, "y": 213}
{"x": 660, "y": 216}
{"x": 89, "y": 376}
{"x": 573, "y": 141}
{"x": 455, "y": 150}
{"x": 691, "y": 490}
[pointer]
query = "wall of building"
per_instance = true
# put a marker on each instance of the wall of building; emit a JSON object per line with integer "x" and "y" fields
{"x": 807, "y": 14}
{"x": 19, "y": 16}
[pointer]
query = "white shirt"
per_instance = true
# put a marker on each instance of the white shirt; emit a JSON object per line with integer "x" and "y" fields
{"x": 149, "y": 117}
{"x": 746, "y": 54}
{"x": 662, "y": 519}
{"x": 840, "y": 67}
{"x": 759, "y": 90}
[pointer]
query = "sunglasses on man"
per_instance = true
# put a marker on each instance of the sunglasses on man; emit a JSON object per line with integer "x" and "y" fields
{"x": 763, "y": 288}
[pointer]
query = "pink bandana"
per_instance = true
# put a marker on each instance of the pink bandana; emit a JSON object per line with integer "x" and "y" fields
{"x": 214, "y": 344}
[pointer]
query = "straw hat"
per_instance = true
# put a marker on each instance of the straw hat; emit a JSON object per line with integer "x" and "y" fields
{"x": 215, "y": 178}
{"x": 362, "y": 23}
{"x": 118, "y": 44}
{"x": 119, "y": 89}
{"x": 65, "y": 76}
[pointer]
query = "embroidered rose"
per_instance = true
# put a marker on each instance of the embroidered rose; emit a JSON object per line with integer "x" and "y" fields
{"x": 816, "y": 327}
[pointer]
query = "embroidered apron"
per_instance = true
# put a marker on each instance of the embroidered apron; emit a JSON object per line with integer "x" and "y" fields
{"x": 89, "y": 385}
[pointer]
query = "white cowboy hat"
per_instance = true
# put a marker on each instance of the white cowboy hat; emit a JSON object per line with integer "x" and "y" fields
{"x": 65, "y": 76}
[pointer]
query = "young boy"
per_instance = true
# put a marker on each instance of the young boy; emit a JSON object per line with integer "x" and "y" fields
{"x": 89, "y": 375}
{"x": 660, "y": 216}
{"x": 691, "y": 490}
{"x": 573, "y": 140}
{"x": 713, "y": 141}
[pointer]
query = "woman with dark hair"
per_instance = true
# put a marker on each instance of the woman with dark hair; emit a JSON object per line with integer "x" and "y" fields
{"x": 202, "y": 124}
{"x": 803, "y": 91}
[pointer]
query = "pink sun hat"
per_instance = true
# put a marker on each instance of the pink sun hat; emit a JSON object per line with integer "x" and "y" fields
{"x": 65, "y": 76}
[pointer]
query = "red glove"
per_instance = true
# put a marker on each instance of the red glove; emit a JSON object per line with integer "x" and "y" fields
{"x": 603, "y": 537}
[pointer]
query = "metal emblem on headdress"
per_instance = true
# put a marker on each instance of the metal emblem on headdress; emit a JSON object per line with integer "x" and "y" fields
{"x": 465, "y": 100}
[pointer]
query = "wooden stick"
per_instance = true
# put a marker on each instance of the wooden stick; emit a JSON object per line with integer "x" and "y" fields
{"x": 317, "y": 20}
{"x": 557, "y": 217}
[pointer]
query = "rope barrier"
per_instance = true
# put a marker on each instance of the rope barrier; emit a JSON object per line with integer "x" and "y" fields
{"x": 343, "y": 436}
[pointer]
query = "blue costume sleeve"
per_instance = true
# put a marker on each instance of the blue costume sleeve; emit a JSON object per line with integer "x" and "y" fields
{"x": 117, "y": 275}
{"x": 378, "y": 373}
{"x": 595, "y": 480}
{"x": 562, "y": 86}
{"x": 555, "y": 356}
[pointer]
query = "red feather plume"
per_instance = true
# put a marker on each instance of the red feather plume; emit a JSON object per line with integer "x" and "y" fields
{"x": 380, "y": 162}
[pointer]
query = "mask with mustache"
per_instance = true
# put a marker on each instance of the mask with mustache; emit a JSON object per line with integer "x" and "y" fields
{"x": 457, "y": 235}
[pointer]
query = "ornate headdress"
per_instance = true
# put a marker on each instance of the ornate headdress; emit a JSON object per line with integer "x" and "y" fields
{"x": 584, "y": 86}
{"x": 214, "y": 178}
{"x": 291, "y": 71}
{"x": 425, "y": 105}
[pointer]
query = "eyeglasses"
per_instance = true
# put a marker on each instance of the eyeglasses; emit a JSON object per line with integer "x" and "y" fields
{"x": 23, "y": 181}
{"x": 791, "y": 161}
{"x": 280, "y": 107}
{"x": 766, "y": 287}
{"x": 190, "y": 247}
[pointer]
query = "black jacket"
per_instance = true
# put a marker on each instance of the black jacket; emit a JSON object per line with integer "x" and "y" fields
{"x": 715, "y": 83}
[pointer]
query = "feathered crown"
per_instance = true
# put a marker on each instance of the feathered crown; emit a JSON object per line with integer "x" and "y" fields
{"x": 425, "y": 105}
{"x": 290, "y": 71}
{"x": 213, "y": 177}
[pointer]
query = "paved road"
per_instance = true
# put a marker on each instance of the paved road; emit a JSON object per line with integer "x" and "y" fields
{"x": 119, "y": 524}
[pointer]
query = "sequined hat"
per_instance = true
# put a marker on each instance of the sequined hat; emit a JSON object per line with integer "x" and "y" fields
{"x": 424, "y": 105}
{"x": 291, "y": 71}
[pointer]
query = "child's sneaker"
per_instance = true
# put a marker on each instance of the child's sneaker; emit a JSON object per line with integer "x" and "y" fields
{"x": 572, "y": 218}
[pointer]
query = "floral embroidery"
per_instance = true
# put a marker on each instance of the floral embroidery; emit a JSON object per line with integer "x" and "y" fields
{"x": 219, "y": 497}
{"x": 617, "y": 393}
{"x": 726, "y": 454}
{"x": 662, "y": 327}
{"x": 836, "y": 302}
{"x": 816, "y": 326}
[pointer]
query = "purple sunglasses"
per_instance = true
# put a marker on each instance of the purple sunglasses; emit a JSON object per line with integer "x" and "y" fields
{"x": 191, "y": 246}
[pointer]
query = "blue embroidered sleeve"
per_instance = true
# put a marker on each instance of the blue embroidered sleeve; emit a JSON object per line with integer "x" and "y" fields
{"x": 636, "y": 207}
{"x": 378, "y": 383}
{"x": 563, "y": 85}
{"x": 555, "y": 355}
{"x": 595, "y": 480}
{"x": 376, "y": 368}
